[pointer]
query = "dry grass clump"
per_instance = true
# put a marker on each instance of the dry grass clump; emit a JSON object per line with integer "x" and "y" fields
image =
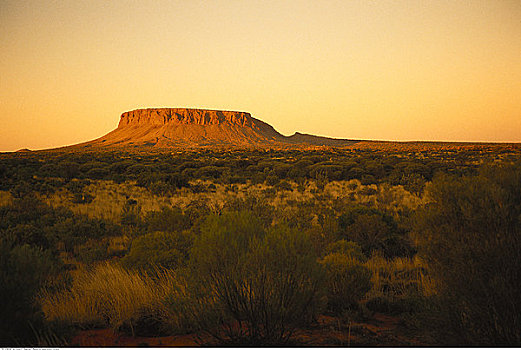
{"x": 399, "y": 277}
{"x": 396, "y": 198}
{"x": 110, "y": 296}
{"x": 109, "y": 199}
{"x": 5, "y": 198}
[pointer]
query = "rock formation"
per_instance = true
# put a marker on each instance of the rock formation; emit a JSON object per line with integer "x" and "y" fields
{"x": 184, "y": 127}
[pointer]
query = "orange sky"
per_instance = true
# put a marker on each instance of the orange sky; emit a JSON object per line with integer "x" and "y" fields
{"x": 388, "y": 70}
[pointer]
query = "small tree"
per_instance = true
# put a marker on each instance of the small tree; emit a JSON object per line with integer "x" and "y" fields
{"x": 24, "y": 270}
{"x": 470, "y": 235}
{"x": 263, "y": 283}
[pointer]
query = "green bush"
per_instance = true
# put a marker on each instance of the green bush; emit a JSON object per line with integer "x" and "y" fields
{"x": 30, "y": 234}
{"x": 92, "y": 251}
{"x": 374, "y": 230}
{"x": 78, "y": 230}
{"x": 284, "y": 185}
{"x": 347, "y": 281}
{"x": 351, "y": 249}
{"x": 258, "y": 206}
{"x": 167, "y": 220}
{"x": 267, "y": 282}
{"x": 97, "y": 173}
{"x": 470, "y": 235}
{"x": 159, "y": 249}
{"x": 23, "y": 271}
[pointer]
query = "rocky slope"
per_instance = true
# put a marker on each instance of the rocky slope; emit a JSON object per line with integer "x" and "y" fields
{"x": 183, "y": 127}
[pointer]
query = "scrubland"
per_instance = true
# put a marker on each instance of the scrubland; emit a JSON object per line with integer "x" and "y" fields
{"x": 259, "y": 248}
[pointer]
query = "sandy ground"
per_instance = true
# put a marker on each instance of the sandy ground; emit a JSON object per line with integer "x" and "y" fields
{"x": 380, "y": 330}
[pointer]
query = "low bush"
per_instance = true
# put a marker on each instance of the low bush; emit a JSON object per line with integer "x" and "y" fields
{"x": 470, "y": 235}
{"x": 159, "y": 249}
{"x": 374, "y": 230}
{"x": 78, "y": 230}
{"x": 347, "y": 281}
{"x": 92, "y": 251}
{"x": 23, "y": 271}
{"x": 166, "y": 220}
{"x": 261, "y": 284}
{"x": 351, "y": 249}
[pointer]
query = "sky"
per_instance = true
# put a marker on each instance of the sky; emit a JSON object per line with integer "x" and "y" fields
{"x": 360, "y": 69}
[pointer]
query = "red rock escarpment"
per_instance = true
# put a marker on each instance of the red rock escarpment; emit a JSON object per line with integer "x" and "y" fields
{"x": 161, "y": 116}
{"x": 187, "y": 127}
{"x": 184, "y": 127}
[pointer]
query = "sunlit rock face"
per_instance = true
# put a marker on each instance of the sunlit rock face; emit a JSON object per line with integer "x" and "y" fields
{"x": 187, "y": 127}
{"x": 176, "y": 116}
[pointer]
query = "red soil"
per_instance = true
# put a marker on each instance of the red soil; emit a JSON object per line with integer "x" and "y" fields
{"x": 329, "y": 331}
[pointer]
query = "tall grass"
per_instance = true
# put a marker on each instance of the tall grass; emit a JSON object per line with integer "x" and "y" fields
{"x": 110, "y": 296}
{"x": 109, "y": 200}
{"x": 399, "y": 277}
{"x": 5, "y": 198}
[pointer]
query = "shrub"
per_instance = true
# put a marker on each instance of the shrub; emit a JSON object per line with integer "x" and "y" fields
{"x": 78, "y": 230}
{"x": 368, "y": 230}
{"x": 347, "y": 281}
{"x": 21, "y": 190}
{"x": 470, "y": 235}
{"x": 413, "y": 183}
{"x": 92, "y": 251}
{"x": 272, "y": 180}
{"x": 167, "y": 220}
{"x": 97, "y": 173}
{"x": 159, "y": 249}
{"x": 258, "y": 206}
{"x": 268, "y": 283}
{"x": 368, "y": 180}
{"x": 374, "y": 231}
{"x": 29, "y": 210}
{"x": 23, "y": 271}
{"x": 27, "y": 234}
{"x": 284, "y": 185}
{"x": 351, "y": 249}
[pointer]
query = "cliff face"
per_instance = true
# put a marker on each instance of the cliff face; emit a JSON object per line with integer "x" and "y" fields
{"x": 177, "y": 116}
{"x": 185, "y": 127}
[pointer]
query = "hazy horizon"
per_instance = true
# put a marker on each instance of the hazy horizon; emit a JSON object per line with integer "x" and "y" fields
{"x": 382, "y": 70}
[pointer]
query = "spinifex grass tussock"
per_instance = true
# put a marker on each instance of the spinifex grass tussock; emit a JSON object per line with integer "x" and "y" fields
{"x": 109, "y": 199}
{"x": 5, "y": 198}
{"x": 110, "y": 296}
{"x": 399, "y": 277}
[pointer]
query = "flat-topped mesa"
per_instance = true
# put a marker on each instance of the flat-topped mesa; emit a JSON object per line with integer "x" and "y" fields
{"x": 191, "y": 127}
{"x": 178, "y": 116}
